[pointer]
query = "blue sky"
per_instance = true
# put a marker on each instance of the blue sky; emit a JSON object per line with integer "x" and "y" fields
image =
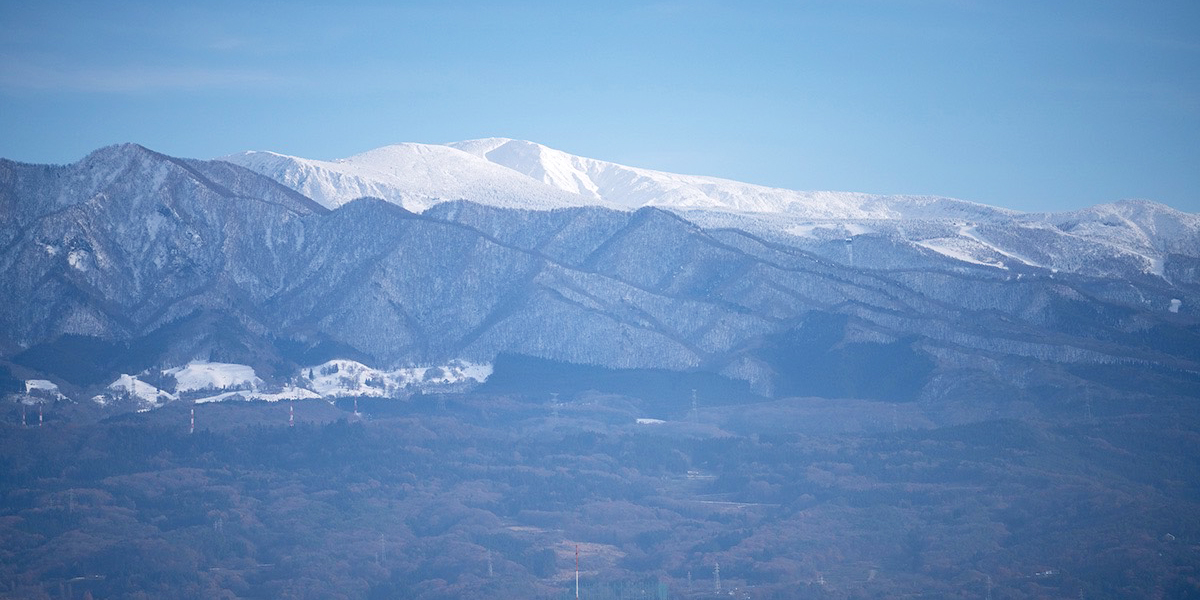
{"x": 1034, "y": 105}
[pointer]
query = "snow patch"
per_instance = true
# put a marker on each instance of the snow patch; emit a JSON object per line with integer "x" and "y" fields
{"x": 148, "y": 395}
{"x": 41, "y": 390}
{"x": 287, "y": 393}
{"x": 341, "y": 377}
{"x": 650, "y": 421}
{"x": 201, "y": 375}
{"x": 78, "y": 259}
{"x": 1176, "y": 303}
{"x": 968, "y": 231}
{"x": 1154, "y": 265}
{"x": 960, "y": 249}
{"x": 42, "y": 385}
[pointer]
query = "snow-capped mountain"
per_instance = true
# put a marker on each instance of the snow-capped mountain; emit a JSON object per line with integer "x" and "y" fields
{"x": 130, "y": 261}
{"x": 414, "y": 176}
{"x": 1129, "y": 235}
{"x": 1110, "y": 240}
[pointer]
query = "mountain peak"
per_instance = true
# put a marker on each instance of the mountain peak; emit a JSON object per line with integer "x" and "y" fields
{"x": 414, "y": 176}
{"x": 124, "y": 149}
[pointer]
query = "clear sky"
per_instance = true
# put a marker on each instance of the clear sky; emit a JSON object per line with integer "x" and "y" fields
{"x": 1034, "y": 105}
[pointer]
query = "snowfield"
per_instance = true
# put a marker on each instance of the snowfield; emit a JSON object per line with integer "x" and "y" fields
{"x": 202, "y": 375}
{"x": 349, "y": 378}
{"x": 333, "y": 379}
{"x": 147, "y": 395}
{"x": 287, "y": 393}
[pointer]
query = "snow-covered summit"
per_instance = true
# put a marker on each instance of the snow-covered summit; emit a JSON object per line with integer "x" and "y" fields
{"x": 633, "y": 187}
{"x": 521, "y": 174}
{"x": 415, "y": 176}
{"x": 1144, "y": 225}
{"x": 1134, "y": 236}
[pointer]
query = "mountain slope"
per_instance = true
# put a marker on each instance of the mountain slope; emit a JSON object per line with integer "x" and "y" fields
{"x": 1127, "y": 239}
{"x": 1115, "y": 239}
{"x": 174, "y": 260}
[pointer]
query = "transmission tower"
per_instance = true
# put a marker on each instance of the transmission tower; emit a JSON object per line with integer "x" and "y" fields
{"x": 717, "y": 578}
{"x": 695, "y": 409}
{"x": 554, "y": 405}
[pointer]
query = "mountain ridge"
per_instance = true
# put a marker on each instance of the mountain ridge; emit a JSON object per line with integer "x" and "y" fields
{"x": 180, "y": 260}
{"x": 957, "y": 229}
